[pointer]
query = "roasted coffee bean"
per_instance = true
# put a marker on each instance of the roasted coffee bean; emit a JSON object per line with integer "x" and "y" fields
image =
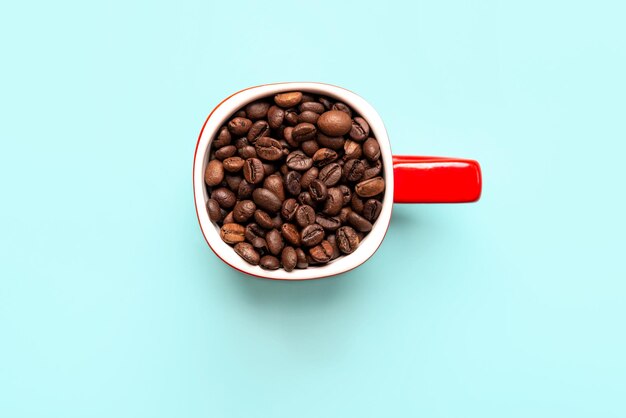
{"x": 305, "y": 216}
{"x": 318, "y": 190}
{"x": 247, "y": 151}
{"x": 223, "y": 138}
{"x": 266, "y": 200}
{"x": 247, "y": 252}
{"x": 371, "y": 149}
{"x": 274, "y": 184}
{"x": 333, "y": 142}
{"x": 214, "y": 173}
{"x": 304, "y": 198}
{"x": 228, "y": 219}
{"x": 357, "y": 203}
{"x": 257, "y": 110}
{"x": 342, "y": 107}
{"x": 225, "y": 197}
{"x": 372, "y": 209}
{"x": 275, "y": 241}
{"x": 330, "y": 174}
{"x": 243, "y": 210}
{"x": 253, "y": 171}
{"x": 332, "y": 240}
{"x": 277, "y": 221}
{"x": 312, "y": 107}
{"x": 288, "y": 135}
{"x": 260, "y": 245}
{"x": 371, "y": 187}
{"x": 359, "y": 223}
{"x": 233, "y": 164}
{"x": 292, "y": 183}
{"x": 289, "y": 209}
{"x": 322, "y": 253}
{"x": 258, "y": 130}
{"x": 352, "y": 149}
{"x": 372, "y": 171}
{"x": 240, "y": 114}
{"x": 334, "y": 123}
{"x": 290, "y": 99}
{"x": 239, "y": 126}
{"x": 353, "y": 170}
{"x": 214, "y": 210}
{"x": 269, "y": 262}
{"x": 308, "y": 98}
{"x": 308, "y": 116}
{"x": 254, "y": 231}
{"x": 346, "y": 192}
{"x": 310, "y": 147}
{"x": 263, "y": 219}
{"x": 225, "y": 152}
{"x": 347, "y": 239}
{"x": 240, "y": 143}
{"x": 298, "y": 161}
{"x": 343, "y": 214}
{"x": 268, "y": 149}
{"x": 269, "y": 169}
{"x": 334, "y": 201}
{"x": 290, "y": 234}
{"x": 288, "y": 258}
{"x": 324, "y": 156}
{"x": 291, "y": 117}
{"x": 232, "y": 233}
{"x": 303, "y": 132}
{"x": 312, "y": 235}
{"x": 308, "y": 176}
{"x": 275, "y": 116}
{"x": 302, "y": 261}
{"x": 329, "y": 223}
{"x": 360, "y": 129}
{"x": 326, "y": 102}
{"x": 244, "y": 190}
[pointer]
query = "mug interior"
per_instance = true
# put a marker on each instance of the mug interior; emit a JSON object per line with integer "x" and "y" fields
{"x": 218, "y": 118}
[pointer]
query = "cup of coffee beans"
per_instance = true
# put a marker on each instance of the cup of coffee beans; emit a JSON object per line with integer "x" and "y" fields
{"x": 296, "y": 181}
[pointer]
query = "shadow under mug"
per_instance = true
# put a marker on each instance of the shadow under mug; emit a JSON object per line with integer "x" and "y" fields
{"x": 408, "y": 179}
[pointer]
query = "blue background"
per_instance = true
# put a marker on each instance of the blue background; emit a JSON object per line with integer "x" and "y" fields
{"x": 112, "y": 305}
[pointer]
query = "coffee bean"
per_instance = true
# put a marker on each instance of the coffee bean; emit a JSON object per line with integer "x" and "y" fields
{"x": 243, "y": 210}
{"x": 333, "y": 142}
{"x": 304, "y": 198}
{"x": 233, "y": 164}
{"x": 371, "y": 149}
{"x": 277, "y": 221}
{"x": 289, "y": 209}
{"x": 360, "y": 129}
{"x": 322, "y": 253}
{"x": 244, "y": 190}
{"x": 288, "y": 258}
{"x": 269, "y": 169}
{"x": 342, "y": 107}
{"x": 232, "y": 233}
{"x": 268, "y": 149}
{"x": 298, "y": 161}
{"x": 324, "y": 156}
{"x": 308, "y": 176}
{"x": 329, "y": 223}
{"x": 275, "y": 241}
{"x": 275, "y": 116}
{"x": 224, "y": 197}
{"x": 288, "y": 135}
{"x": 239, "y": 126}
{"x": 347, "y": 239}
{"x": 233, "y": 182}
{"x": 247, "y": 252}
{"x": 372, "y": 171}
{"x": 225, "y": 152}
{"x": 228, "y": 219}
{"x": 291, "y": 117}
{"x": 257, "y": 110}
{"x": 292, "y": 183}
{"x": 353, "y": 170}
{"x": 318, "y": 190}
{"x": 332, "y": 240}
{"x": 290, "y": 234}
{"x": 213, "y": 208}
{"x": 334, "y": 123}
{"x": 258, "y": 130}
{"x": 371, "y": 187}
{"x": 269, "y": 262}
{"x": 223, "y": 138}
{"x": 308, "y": 116}
{"x": 312, "y": 107}
{"x": 253, "y": 170}
{"x": 302, "y": 261}
{"x": 303, "y": 132}
{"x": 240, "y": 114}
{"x": 334, "y": 202}
{"x": 305, "y": 215}
{"x": 330, "y": 174}
{"x": 312, "y": 235}
{"x": 253, "y": 231}
{"x": 266, "y": 200}
{"x": 214, "y": 173}
{"x": 263, "y": 219}
{"x": 260, "y": 245}
{"x": 356, "y": 203}
{"x": 372, "y": 209}
{"x": 343, "y": 214}
{"x": 351, "y": 149}
{"x": 359, "y": 222}
{"x": 346, "y": 193}
{"x": 310, "y": 147}
{"x": 288, "y": 99}
{"x": 326, "y": 102}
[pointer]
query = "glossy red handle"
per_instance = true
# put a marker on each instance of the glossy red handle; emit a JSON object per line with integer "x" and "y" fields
{"x": 435, "y": 180}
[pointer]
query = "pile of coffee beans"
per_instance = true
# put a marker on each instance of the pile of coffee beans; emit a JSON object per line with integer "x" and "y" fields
{"x": 294, "y": 180}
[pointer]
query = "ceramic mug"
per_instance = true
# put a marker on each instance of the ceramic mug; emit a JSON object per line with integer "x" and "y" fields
{"x": 409, "y": 179}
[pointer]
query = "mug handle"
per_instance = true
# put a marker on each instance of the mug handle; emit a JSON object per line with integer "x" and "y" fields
{"x": 435, "y": 180}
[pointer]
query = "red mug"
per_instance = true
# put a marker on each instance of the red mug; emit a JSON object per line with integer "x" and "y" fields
{"x": 409, "y": 179}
